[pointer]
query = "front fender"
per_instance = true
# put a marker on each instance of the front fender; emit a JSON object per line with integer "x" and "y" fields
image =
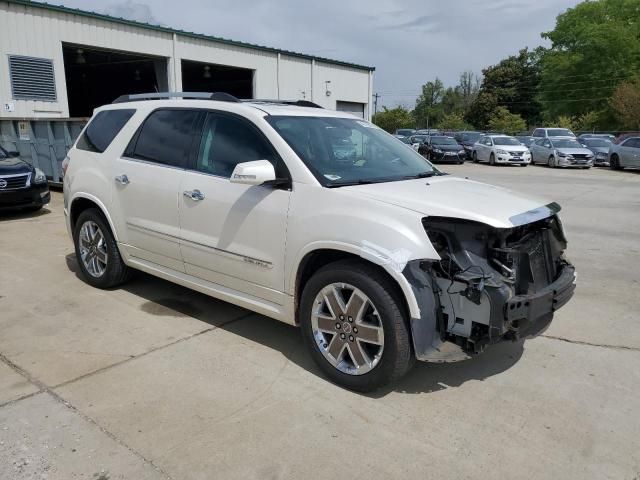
{"x": 384, "y": 234}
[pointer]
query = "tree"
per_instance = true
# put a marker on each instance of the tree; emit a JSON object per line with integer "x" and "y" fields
{"x": 393, "y": 119}
{"x": 503, "y": 120}
{"x": 454, "y": 121}
{"x": 626, "y": 104}
{"x": 594, "y": 46}
{"x": 563, "y": 121}
{"x": 511, "y": 83}
{"x": 428, "y": 109}
{"x": 587, "y": 122}
{"x": 468, "y": 88}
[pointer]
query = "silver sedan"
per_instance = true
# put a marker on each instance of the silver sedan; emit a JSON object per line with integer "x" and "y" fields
{"x": 561, "y": 152}
{"x": 625, "y": 154}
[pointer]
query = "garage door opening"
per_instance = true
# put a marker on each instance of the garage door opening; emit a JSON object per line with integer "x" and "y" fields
{"x": 353, "y": 108}
{"x": 208, "y": 77}
{"x": 96, "y": 77}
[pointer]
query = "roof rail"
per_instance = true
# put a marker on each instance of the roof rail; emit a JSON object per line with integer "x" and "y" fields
{"x": 219, "y": 96}
{"x": 297, "y": 103}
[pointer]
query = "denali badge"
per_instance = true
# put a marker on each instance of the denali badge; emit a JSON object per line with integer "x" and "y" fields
{"x": 3, "y": 183}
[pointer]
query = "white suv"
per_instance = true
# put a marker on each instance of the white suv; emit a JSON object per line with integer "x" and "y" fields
{"x": 315, "y": 218}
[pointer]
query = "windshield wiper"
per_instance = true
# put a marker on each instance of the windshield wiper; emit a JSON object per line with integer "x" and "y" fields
{"x": 431, "y": 173}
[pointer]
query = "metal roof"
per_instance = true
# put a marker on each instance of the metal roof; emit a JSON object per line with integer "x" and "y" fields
{"x": 160, "y": 28}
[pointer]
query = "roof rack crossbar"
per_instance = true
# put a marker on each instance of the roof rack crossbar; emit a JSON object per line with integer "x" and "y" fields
{"x": 219, "y": 96}
{"x": 298, "y": 103}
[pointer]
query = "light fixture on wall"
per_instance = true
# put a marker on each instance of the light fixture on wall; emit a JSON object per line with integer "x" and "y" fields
{"x": 136, "y": 75}
{"x": 207, "y": 72}
{"x": 326, "y": 87}
{"x": 80, "y": 56}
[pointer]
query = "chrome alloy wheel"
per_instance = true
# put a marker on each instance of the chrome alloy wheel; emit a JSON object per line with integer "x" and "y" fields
{"x": 93, "y": 249}
{"x": 347, "y": 329}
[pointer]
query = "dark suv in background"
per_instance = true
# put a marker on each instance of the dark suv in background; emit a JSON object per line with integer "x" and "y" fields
{"x": 21, "y": 185}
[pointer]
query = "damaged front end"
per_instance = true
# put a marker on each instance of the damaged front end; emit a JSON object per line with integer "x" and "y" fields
{"x": 490, "y": 284}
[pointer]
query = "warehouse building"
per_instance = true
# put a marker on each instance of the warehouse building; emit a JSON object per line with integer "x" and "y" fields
{"x": 60, "y": 63}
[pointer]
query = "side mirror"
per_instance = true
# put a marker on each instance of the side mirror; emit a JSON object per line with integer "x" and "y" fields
{"x": 253, "y": 173}
{"x": 14, "y": 154}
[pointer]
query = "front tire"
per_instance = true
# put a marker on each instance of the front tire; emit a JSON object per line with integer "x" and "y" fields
{"x": 97, "y": 252}
{"x": 552, "y": 162}
{"x": 354, "y": 325}
{"x": 475, "y": 157}
{"x": 492, "y": 160}
{"x": 614, "y": 163}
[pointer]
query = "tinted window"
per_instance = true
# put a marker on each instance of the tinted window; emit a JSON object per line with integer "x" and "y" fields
{"x": 632, "y": 142}
{"x": 165, "y": 137}
{"x": 443, "y": 141}
{"x": 103, "y": 129}
{"x": 560, "y": 132}
{"x": 3, "y": 154}
{"x": 538, "y": 133}
{"x": 227, "y": 141}
{"x": 566, "y": 144}
{"x": 597, "y": 142}
{"x": 506, "y": 141}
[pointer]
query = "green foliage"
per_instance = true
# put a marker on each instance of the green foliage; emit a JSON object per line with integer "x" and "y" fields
{"x": 502, "y": 120}
{"x": 428, "y": 109}
{"x": 594, "y": 46}
{"x": 563, "y": 121}
{"x": 392, "y": 119}
{"x": 454, "y": 121}
{"x": 587, "y": 122}
{"x": 625, "y": 103}
{"x": 512, "y": 82}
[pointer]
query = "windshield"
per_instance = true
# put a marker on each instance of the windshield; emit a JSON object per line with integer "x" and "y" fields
{"x": 419, "y": 138}
{"x": 505, "y": 141}
{"x": 597, "y": 142}
{"x": 566, "y": 144}
{"x": 443, "y": 141}
{"x": 559, "y": 132}
{"x": 345, "y": 151}
{"x": 471, "y": 137}
{"x": 3, "y": 154}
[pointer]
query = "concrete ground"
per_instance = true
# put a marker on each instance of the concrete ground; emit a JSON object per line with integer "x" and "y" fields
{"x": 153, "y": 381}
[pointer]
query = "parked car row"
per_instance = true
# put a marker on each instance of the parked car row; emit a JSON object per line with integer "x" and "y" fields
{"x": 556, "y": 147}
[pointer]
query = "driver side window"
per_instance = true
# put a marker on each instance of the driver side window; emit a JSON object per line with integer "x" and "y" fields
{"x": 227, "y": 141}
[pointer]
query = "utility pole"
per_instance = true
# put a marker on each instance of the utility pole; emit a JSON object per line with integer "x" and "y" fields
{"x": 375, "y": 103}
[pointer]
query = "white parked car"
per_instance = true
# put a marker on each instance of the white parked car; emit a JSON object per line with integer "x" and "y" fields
{"x": 625, "y": 154}
{"x": 561, "y": 152}
{"x": 315, "y": 218}
{"x": 552, "y": 132}
{"x": 500, "y": 149}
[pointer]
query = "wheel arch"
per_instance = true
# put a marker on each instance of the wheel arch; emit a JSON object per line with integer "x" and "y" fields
{"x": 315, "y": 259}
{"x": 85, "y": 201}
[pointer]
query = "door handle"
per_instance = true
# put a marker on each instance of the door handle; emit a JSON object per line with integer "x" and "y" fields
{"x": 122, "y": 180}
{"x": 195, "y": 195}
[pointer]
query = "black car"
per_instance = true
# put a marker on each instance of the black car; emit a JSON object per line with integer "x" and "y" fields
{"x": 467, "y": 140}
{"x": 21, "y": 185}
{"x": 441, "y": 149}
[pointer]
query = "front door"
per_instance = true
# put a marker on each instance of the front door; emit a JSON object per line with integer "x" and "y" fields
{"x": 234, "y": 235}
{"x": 147, "y": 180}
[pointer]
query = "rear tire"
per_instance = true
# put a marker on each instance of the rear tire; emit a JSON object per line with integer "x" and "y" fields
{"x": 326, "y": 331}
{"x": 97, "y": 252}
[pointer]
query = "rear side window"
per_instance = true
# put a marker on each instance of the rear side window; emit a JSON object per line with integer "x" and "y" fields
{"x": 102, "y": 129}
{"x": 165, "y": 137}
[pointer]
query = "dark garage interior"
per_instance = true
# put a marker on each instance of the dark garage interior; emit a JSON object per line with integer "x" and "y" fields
{"x": 208, "y": 77}
{"x": 96, "y": 77}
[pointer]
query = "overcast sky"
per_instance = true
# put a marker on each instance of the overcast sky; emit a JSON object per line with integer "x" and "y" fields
{"x": 408, "y": 41}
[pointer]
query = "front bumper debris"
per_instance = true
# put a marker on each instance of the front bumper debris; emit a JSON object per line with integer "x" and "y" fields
{"x": 491, "y": 285}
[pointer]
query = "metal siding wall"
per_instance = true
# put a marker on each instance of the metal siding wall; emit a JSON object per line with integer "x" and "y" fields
{"x": 40, "y": 32}
{"x": 295, "y": 78}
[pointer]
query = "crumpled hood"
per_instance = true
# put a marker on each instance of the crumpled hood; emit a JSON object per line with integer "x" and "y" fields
{"x": 456, "y": 197}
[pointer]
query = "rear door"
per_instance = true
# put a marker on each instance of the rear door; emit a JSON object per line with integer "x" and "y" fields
{"x": 147, "y": 180}
{"x": 234, "y": 235}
